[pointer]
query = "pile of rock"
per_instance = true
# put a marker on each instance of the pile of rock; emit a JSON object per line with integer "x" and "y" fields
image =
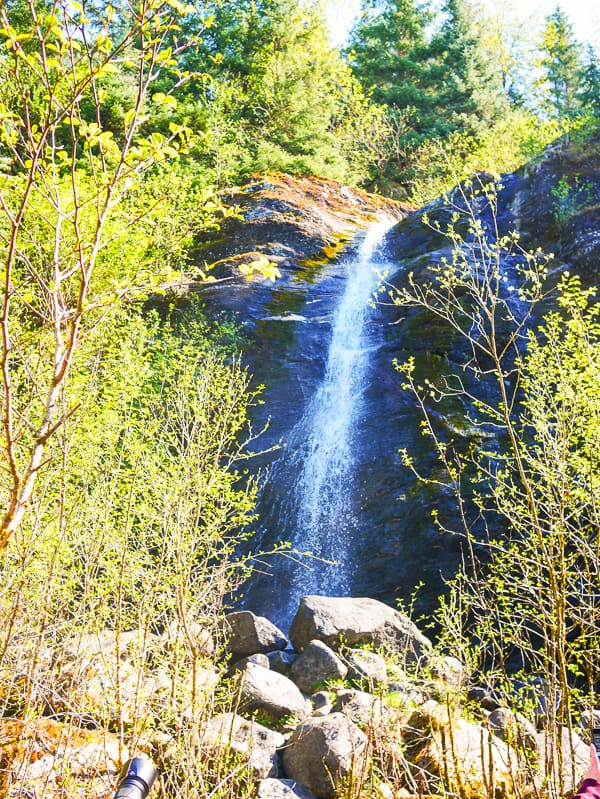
{"x": 356, "y": 691}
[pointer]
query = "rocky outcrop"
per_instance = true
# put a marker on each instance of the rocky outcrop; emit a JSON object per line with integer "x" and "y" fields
{"x": 341, "y": 620}
{"x": 290, "y": 220}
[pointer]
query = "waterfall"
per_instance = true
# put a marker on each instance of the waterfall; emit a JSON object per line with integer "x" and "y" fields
{"x": 317, "y": 468}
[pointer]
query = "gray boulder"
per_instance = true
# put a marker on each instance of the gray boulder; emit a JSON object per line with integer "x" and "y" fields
{"x": 315, "y": 665}
{"x": 575, "y": 758}
{"x": 450, "y": 670}
{"x": 281, "y": 660}
{"x": 322, "y": 752}
{"x": 321, "y": 703}
{"x": 282, "y": 789}
{"x": 513, "y": 728}
{"x": 240, "y": 665}
{"x": 356, "y": 621}
{"x": 271, "y": 693}
{"x": 248, "y": 634}
{"x": 366, "y": 667}
{"x": 254, "y": 743}
{"x": 360, "y": 707}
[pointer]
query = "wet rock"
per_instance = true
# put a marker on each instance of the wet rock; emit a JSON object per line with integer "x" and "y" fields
{"x": 256, "y": 744}
{"x": 366, "y": 666}
{"x": 322, "y": 752}
{"x": 317, "y": 664}
{"x": 271, "y": 694}
{"x": 334, "y": 620}
{"x": 51, "y": 754}
{"x": 249, "y": 634}
{"x": 282, "y": 789}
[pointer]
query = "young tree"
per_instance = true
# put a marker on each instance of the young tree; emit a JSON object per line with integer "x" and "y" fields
{"x": 560, "y": 64}
{"x": 68, "y": 192}
{"x": 524, "y": 607}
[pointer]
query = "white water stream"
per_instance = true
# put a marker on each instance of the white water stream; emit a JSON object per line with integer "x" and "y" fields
{"x": 324, "y": 492}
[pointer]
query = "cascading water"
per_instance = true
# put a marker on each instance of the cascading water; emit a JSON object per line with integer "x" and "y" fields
{"x": 317, "y": 514}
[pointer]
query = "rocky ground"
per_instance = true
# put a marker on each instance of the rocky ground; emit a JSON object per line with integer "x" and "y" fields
{"x": 355, "y": 702}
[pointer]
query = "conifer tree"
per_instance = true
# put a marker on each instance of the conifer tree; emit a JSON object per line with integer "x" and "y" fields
{"x": 387, "y": 50}
{"x": 589, "y": 90}
{"x": 561, "y": 66}
{"x": 466, "y": 83}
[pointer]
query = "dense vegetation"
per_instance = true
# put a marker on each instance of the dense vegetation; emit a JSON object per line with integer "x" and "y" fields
{"x": 122, "y": 443}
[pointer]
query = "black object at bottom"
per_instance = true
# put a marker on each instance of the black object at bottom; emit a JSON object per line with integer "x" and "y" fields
{"x": 136, "y": 779}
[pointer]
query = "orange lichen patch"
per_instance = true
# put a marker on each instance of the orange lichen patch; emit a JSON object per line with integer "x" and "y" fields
{"x": 66, "y": 760}
{"x": 303, "y": 195}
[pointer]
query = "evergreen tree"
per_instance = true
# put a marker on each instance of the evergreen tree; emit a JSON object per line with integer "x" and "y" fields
{"x": 387, "y": 49}
{"x": 279, "y": 96}
{"x": 466, "y": 83}
{"x": 589, "y": 90}
{"x": 561, "y": 66}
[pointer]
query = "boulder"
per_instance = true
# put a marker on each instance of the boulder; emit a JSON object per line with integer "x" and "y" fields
{"x": 317, "y": 664}
{"x": 483, "y": 697}
{"x": 248, "y": 634}
{"x": 590, "y": 718}
{"x": 270, "y": 693}
{"x": 282, "y": 789}
{"x": 513, "y": 728}
{"x": 201, "y": 638}
{"x": 84, "y": 678}
{"x": 450, "y": 670}
{"x": 365, "y": 666}
{"x": 467, "y": 757}
{"x": 258, "y": 745}
{"x": 240, "y": 665}
{"x": 281, "y": 660}
{"x": 321, "y": 703}
{"x": 322, "y": 752}
{"x": 575, "y": 756}
{"x": 362, "y": 708}
{"x": 356, "y": 621}
{"x": 52, "y": 754}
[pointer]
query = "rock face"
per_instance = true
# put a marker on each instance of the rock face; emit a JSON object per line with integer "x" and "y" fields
{"x": 249, "y": 634}
{"x": 324, "y": 751}
{"x": 356, "y": 621}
